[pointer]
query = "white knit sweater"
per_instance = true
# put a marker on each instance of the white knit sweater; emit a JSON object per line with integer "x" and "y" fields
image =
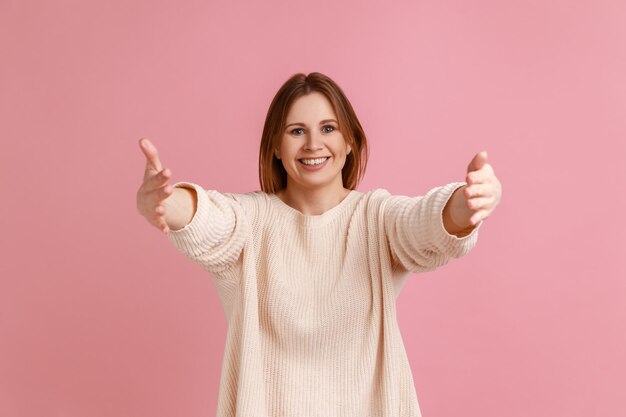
{"x": 310, "y": 301}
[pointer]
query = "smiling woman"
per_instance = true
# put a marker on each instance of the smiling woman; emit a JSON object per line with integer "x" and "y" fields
{"x": 308, "y": 268}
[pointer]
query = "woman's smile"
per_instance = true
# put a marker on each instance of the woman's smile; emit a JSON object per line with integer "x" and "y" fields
{"x": 313, "y": 164}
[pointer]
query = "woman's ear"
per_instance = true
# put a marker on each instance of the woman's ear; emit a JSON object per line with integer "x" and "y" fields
{"x": 349, "y": 150}
{"x": 276, "y": 154}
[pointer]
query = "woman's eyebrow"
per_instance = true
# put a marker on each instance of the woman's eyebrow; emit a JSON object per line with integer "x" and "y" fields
{"x": 302, "y": 124}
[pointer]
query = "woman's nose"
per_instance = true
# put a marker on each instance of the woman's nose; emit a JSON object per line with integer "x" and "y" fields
{"x": 313, "y": 141}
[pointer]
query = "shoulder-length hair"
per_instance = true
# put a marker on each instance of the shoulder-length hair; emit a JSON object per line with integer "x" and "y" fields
{"x": 272, "y": 174}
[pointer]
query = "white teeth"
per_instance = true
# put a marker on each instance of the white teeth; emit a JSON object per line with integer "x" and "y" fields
{"x": 316, "y": 161}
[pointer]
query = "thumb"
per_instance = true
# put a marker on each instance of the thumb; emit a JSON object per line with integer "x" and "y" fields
{"x": 153, "y": 163}
{"x": 479, "y": 160}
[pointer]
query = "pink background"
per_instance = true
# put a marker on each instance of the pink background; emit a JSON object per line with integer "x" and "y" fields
{"x": 101, "y": 316}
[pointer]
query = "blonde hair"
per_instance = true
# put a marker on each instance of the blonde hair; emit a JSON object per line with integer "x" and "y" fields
{"x": 272, "y": 174}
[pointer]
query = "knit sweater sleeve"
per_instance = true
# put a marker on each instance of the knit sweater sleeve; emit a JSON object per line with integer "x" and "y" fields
{"x": 215, "y": 236}
{"x": 417, "y": 238}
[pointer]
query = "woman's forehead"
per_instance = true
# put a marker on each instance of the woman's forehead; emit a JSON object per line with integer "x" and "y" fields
{"x": 312, "y": 107}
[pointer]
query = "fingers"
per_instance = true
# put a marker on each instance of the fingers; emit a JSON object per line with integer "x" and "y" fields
{"x": 483, "y": 189}
{"x": 153, "y": 163}
{"x": 160, "y": 223}
{"x": 483, "y": 195}
{"x": 156, "y": 199}
{"x": 479, "y": 216}
{"x": 480, "y": 208}
{"x": 157, "y": 218}
{"x": 158, "y": 180}
{"x": 159, "y": 194}
{"x": 478, "y": 203}
{"x": 155, "y": 189}
{"x": 479, "y": 176}
{"x": 478, "y": 190}
{"x": 482, "y": 199}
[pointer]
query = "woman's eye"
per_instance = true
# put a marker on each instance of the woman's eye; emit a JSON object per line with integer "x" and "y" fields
{"x": 294, "y": 130}
{"x": 331, "y": 128}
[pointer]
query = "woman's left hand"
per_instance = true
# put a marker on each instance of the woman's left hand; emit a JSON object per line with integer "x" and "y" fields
{"x": 474, "y": 202}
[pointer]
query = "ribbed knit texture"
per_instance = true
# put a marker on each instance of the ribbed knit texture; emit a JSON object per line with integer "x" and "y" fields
{"x": 310, "y": 301}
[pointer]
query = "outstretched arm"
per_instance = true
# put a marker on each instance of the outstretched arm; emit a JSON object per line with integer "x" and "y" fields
{"x": 207, "y": 226}
{"x": 474, "y": 202}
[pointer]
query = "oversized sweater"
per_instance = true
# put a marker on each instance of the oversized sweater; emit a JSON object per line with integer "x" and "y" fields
{"x": 310, "y": 301}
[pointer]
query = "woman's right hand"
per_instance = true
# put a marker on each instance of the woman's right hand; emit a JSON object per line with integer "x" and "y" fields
{"x": 155, "y": 189}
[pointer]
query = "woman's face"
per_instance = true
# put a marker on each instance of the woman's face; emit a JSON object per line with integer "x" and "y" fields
{"x": 313, "y": 150}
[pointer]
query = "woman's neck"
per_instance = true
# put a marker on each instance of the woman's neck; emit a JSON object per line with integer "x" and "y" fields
{"x": 312, "y": 201}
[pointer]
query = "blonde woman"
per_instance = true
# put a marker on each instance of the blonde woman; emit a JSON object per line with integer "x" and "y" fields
{"x": 308, "y": 269}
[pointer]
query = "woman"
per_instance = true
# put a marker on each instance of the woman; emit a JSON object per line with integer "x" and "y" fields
{"x": 308, "y": 269}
